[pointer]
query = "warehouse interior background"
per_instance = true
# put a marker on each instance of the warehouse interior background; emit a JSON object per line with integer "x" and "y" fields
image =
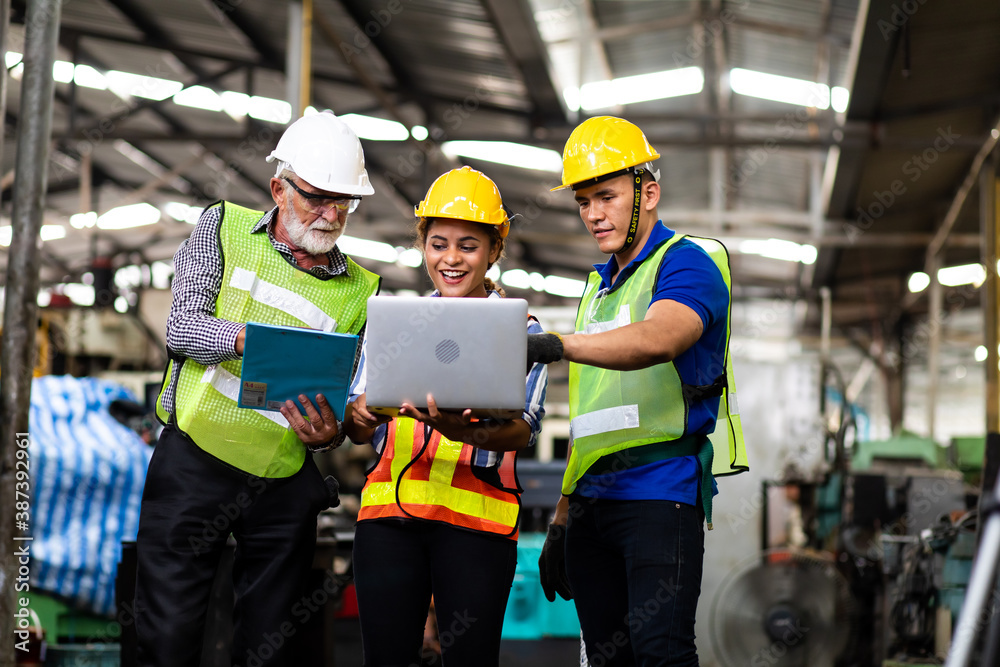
{"x": 843, "y": 150}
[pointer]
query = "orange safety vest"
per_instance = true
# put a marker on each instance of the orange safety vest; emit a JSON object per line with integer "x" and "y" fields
{"x": 436, "y": 483}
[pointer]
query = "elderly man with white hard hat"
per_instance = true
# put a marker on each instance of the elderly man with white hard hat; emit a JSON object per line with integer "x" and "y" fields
{"x": 217, "y": 469}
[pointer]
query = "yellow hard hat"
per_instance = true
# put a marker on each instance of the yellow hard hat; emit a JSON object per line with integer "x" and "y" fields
{"x": 601, "y": 146}
{"x": 465, "y": 194}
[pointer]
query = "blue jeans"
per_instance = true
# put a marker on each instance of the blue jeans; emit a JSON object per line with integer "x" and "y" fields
{"x": 635, "y": 568}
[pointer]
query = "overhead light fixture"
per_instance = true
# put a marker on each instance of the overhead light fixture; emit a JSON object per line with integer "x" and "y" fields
{"x": 561, "y": 286}
{"x": 12, "y": 58}
{"x": 635, "y": 89}
{"x": 88, "y": 77}
{"x": 375, "y": 129}
{"x": 918, "y": 282}
{"x": 199, "y": 97}
{"x": 949, "y": 276}
{"x": 354, "y": 246}
{"x": 126, "y": 84}
{"x": 183, "y": 212}
{"x": 62, "y": 71}
{"x": 555, "y": 285}
{"x": 787, "y": 251}
{"x": 787, "y": 89}
{"x": 966, "y": 274}
{"x": 516, "y": 278}
{"x": 83, "y": 220}
{"x": 506, "y": 152}
{"x": 410, "y": 257}
{"x": 270, "y": 110}
{"x": 981, "y": 353}
{"x": 46, "y": 233}
{"x": 126, "y": 217}
{"x": 419, "y": 132}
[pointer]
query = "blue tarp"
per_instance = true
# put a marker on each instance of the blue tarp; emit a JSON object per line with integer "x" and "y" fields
{"x": 87, "y": 472}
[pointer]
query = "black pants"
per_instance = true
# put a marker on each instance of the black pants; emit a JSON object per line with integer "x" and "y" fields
{"x": 399, "y": 564}
{"x": 190, "y": 505}
{"x": 635, "y": 567}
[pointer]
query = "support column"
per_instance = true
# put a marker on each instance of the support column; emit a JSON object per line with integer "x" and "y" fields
{"x": 298, "y": 68}
{"x": 989, "y": 210}
{"x": 21, "y": 305}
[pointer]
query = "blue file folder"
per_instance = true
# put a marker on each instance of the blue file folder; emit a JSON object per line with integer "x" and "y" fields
{"x": 279, "y": 363}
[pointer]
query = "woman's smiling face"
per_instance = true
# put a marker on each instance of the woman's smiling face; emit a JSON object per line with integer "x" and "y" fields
{"x": 458, "y": 254}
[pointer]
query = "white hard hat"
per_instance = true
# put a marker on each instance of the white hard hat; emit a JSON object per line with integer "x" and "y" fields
{"x": 324, "y": 152}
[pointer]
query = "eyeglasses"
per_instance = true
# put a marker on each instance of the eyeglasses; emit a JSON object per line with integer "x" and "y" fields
{"x": 320, "y": 204}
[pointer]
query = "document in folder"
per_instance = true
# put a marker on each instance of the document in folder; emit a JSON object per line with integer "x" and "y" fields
{"x": 279, "y": 363}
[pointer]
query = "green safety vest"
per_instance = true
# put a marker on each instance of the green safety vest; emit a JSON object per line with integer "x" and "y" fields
{"x": 615, "y": 410}
{"x": 258, "y": 285}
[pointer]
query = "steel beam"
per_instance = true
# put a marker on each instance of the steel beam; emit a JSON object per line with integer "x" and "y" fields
{"x": 17, "y": 350}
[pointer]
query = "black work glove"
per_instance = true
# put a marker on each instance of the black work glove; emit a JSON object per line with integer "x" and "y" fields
{"x": 544, "y": 348}
{"x": 552, "y": 565}
{"x": 333, "y": 489}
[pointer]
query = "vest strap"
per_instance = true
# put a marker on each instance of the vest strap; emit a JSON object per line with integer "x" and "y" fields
{"x": 228, "y": 385}
{"x": 605, "y": 420}
{"x": 282, "y": 299}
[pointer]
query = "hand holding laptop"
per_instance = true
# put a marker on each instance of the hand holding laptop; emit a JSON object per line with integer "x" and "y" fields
{"x": 453, "y": 425}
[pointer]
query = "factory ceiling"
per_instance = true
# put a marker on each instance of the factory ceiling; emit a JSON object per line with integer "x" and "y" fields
{"x": 867, "y": 177}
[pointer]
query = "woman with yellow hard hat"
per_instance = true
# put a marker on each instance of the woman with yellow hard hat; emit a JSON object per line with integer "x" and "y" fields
{"x": 456, "y": 536}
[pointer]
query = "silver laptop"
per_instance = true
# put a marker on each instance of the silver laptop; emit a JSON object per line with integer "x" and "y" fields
{"x": 466, "y": 352}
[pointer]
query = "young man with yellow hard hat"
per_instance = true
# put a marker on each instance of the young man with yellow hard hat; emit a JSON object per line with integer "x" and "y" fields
{"x": 649, "y": 364}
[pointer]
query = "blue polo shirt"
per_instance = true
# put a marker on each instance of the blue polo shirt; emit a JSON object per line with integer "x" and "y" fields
{"x": 689, "y": 276}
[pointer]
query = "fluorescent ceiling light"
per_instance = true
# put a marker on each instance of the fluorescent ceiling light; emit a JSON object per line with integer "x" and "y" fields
{"x": 950, "y": 276}
{"x": 83, "y": 220}
{"x": 918, "y": 282}
{"x": 966, "y": 274}
{"x": 12, "y": 58}
{"x": 270, "y": 110}
{"x": 126, "y": 217}
{"x": 382, "y": 252}
{"x": 376, "y": 129}
{"x": 410, "y": 257}
{"x": 505, "y": 152}
{"x": 634, "y": 89}
{"x": 52, "y": 232}
{"x": 237, "y": 105}
{"x": 493, "y": 273}
{"x": 88, "y": 77}
{"x": 199, "y": 97}
{"x": 779, "y": 249}
{"x": 47, "y": 233}
{"x": 62, "y": 71}
{"x": 419, "y": 132}
{"x": 126, "y": 84}
{"x": 786, "y": 89}
{"x": 516, "y": 278}
{"x": 182, "y": 212}
{"x": 980, "y": 354}
{"x": 564, "y": 286}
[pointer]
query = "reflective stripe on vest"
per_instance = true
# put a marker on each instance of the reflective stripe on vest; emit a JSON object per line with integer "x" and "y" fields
{"x": 439, "y": 485}
{"x": 258, "y": 285}
{"x": 615, "y": 410}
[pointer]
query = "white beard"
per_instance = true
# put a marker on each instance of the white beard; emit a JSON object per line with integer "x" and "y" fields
{"x": 317, "y": 238}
